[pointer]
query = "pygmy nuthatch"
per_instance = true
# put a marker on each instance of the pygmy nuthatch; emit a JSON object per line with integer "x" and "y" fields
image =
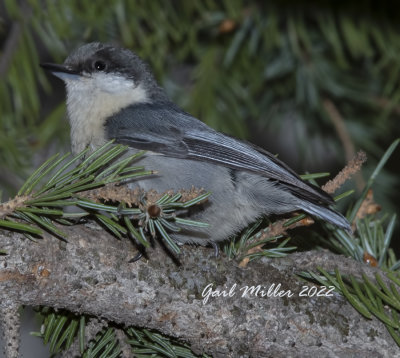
{"x": 111, "y": 94}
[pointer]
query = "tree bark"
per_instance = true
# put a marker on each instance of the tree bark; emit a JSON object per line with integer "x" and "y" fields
{"x": 91, "y": 274}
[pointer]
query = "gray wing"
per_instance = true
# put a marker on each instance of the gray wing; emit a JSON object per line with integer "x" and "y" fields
{"x": 168, "y": 130}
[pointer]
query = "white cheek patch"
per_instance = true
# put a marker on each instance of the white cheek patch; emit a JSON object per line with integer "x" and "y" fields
{"x": 92, "y": 99}
{"x": 112, "y": 83}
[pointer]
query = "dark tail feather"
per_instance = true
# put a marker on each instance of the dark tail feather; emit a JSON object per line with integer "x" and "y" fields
{"x": 327, "y": 214}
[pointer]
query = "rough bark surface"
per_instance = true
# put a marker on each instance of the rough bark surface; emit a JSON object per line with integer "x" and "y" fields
{"x": 91, "y": 274}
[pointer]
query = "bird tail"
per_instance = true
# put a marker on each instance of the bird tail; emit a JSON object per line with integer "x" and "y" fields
{"x": 327, "y": 214}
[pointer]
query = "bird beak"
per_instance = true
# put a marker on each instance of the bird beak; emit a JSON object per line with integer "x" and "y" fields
{"x": 61, "y": 71}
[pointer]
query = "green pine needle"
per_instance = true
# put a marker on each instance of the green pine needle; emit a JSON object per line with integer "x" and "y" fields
{"x": 20, "y": 227}
{"x": 82, "y": 341}
{"x": 166, "y": 237}
{"x": 370, "y": 299}
{"x": 314, "y": 176}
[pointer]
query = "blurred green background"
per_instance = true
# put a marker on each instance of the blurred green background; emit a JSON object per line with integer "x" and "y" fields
{"x": 312, "y": 81}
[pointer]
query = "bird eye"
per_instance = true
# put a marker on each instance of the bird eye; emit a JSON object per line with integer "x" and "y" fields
{"x": 99, "y": 66}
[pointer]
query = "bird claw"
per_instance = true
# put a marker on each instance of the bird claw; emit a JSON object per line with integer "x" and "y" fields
{"x": 216, "y": 248}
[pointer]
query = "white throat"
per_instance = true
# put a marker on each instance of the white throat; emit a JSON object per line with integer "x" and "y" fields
{"x": 91, "y": 99}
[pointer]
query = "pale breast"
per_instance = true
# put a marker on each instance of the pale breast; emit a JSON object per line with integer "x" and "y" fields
{"x": 91, "y": 100}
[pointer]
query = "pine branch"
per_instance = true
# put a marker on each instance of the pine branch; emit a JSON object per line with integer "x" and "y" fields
{"x": 88, "y": 184}
{"x": 150, "y": 210}
{"x": 98, "y": 280}
{"x": 379, "y": 297}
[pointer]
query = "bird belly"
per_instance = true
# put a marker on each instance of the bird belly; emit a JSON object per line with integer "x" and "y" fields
{"x": 228, "y": 210}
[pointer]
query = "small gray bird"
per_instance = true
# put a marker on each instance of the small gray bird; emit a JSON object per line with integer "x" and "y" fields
{"x": 111, "y": 94}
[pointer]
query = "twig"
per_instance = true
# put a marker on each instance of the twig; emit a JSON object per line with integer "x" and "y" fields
{"x": 132, "y": 197}
{"x": 9, "y": 207}
{"x": 275, "y": 229}
{"x": 344, "y": 136}
{"x": 349, "y": 170}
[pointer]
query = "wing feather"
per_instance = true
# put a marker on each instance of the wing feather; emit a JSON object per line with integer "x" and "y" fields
{"x": 168, "y": 130}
